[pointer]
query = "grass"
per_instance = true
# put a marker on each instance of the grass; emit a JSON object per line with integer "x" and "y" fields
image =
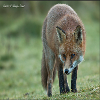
{"x": 20, "y": 66}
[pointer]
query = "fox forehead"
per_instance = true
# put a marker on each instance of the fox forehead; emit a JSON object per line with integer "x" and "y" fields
{"x": 69, "y": 48}
{"x": 68, "y": 43}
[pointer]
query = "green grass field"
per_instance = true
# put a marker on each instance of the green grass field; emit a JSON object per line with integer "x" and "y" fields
{"x": 20, "y": 68}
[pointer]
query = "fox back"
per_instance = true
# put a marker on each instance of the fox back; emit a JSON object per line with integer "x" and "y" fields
{"x": 63, "y": 36}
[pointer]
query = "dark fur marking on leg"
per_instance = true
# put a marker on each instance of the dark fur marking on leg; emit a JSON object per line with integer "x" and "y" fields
{"x": 66, "y": 84}
{"x": 61, "y": 80}
{"x": 73, "y": 80}
{"x": 49, "y": 90}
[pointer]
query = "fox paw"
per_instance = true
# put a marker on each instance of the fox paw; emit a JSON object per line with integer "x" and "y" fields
{"x": 67, "y": 90}
{"x": 74, "y": 90}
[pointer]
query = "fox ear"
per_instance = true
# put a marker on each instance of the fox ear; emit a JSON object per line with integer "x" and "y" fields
{"x": 78, "y": 34}
{"x": 61, "y": 34}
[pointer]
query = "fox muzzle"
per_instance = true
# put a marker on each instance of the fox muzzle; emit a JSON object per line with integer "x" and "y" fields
{"x": 66, "y": 71}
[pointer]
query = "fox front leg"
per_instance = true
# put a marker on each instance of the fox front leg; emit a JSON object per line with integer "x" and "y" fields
{"x": 73, "y": 80}
{"x": 61, "y": 79}
{"x": 66, "y": 84}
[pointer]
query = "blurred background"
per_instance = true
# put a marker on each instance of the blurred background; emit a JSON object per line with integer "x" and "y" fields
{"x": 21, "y": 45}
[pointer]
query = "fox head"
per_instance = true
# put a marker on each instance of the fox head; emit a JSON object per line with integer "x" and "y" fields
{"x": 70, "y": 49}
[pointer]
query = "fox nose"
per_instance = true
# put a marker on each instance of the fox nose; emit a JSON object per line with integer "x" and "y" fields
{"x": 66, "y": 71}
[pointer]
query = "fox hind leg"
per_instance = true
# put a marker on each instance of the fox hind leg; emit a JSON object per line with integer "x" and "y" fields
{"x": 50, "y": 70}
{"x": 44, "y": 74}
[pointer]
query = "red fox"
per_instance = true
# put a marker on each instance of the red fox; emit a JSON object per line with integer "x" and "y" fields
{"x": 63, "y": 36}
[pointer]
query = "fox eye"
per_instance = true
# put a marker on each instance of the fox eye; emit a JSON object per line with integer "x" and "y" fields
{"x": 64, "y": 56}
{"x": 72, "y": 56}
